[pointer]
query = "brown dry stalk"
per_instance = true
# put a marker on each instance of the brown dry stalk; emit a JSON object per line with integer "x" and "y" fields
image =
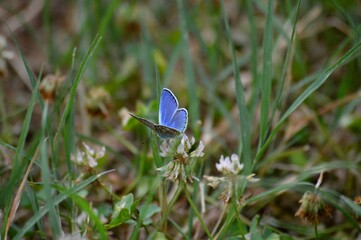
{"x": 17, "y": 198}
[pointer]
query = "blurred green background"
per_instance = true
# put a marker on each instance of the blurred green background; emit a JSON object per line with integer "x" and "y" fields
{"x": 183, "y": 45}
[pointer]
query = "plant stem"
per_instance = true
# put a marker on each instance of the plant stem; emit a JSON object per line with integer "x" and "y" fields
{"x": 169, "y": 206}
{"x": 165, "y": 208}
{"x": 316, "y": 231}
{"x": 225, "y": 208}
{"x": 114, "y": 196}
{"x": 204, "y": 226}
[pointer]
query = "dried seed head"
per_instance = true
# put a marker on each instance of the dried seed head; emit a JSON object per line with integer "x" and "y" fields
{"x": 98, "y": 102}
{"x": 357, "y": 200}
{"x": 50, "y": 86}
{"x": 313, "y": 209}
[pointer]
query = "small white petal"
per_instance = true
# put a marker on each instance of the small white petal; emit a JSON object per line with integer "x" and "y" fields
{"x": 101, "y": 153}
{"x": 92, "y": 162}
{"x": 193, "y": 140}
{"x": 180, "y": 148}
{"x": 198, "y": 152}
{"x": 251, "y": 178}
{"x": 234, "y": 157}
{"x": 88, "y": 149}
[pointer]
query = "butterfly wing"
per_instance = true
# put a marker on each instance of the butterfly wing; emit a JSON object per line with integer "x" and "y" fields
{"x": 162, "y": 131}
{"x": 166, "y": 132}
{"x": 172, "y": 121}
{"x": 167, "y": 107}
{"x": 146, "y": 122}
{"x": 179, "y": 120}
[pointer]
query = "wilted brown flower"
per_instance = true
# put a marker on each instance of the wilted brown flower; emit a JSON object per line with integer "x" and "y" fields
{"x": 50, "y": 86}
{"x": 313, "y": 208}
{"x": 97, "y": 102}
{"x": 357, "y": 200}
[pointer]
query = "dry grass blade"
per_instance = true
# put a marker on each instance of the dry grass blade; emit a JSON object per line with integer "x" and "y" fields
{"x": 17, "y": 198}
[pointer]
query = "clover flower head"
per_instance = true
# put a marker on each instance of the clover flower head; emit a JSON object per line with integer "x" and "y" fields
{"x": 89, "y": 157}
{"x": 229, "y": 165}
{"x": 230, "y": 168}
{"x": 181, "y": 151}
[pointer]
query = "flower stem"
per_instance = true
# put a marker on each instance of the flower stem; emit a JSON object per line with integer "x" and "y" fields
{"x": 225, "y": 208}
{"x": 167, "y": 206}
{"x": 316, "y": 231}
{"x": 204, "y": 226}
{"x": 114, "y": 196}
{"x": 164, "y": 204}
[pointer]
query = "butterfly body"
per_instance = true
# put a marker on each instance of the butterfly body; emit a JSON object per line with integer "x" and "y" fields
{"x": 172, "y": 120}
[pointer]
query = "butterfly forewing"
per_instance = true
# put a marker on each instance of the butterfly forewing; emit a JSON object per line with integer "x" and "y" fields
{"x": 167, "y": 107}
{"x": 145, "y": 122}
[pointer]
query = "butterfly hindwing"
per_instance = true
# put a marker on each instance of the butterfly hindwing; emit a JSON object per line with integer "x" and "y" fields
{"x": 179, "y": 120}
{"x": 167, "y": 107}
{"x": 166, "y": 132}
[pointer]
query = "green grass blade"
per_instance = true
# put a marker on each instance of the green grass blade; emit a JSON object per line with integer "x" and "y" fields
{"x": 254, "y": 56}
{"x": 174, "y": 57}
{"x": 69, "y": 140}
{"x": 76, "y": 82}
{"x": 107, "y": 17}
{"x": 266, "y": 81}
{"x": 54, "y": 202}
{"x": 86, "y": 207}
{"x": 322, "y": 78}
{"x": 157, "y": 81}
{"x": 189, "y": 72}
{"x": 54, "y": 218}
{"x": 241, "y": 103}
{"x": 285, "y": 65}
{"x": 30, "y": 73}
{"x": 31, "y": 195}
{"x": 146, "y": 55}
{"x": 18, "y": 166}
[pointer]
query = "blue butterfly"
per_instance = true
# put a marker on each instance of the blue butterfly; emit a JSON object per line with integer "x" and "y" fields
{"x": 172, "y": 120}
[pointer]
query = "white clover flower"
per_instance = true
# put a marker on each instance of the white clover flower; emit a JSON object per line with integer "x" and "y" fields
{"x": 181, "y": 151}
{"x": 230, "y": 167}
{"x": 227, "y": 166}
{"x": 89, "y": 157}
{"x": 83, "y": 218}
